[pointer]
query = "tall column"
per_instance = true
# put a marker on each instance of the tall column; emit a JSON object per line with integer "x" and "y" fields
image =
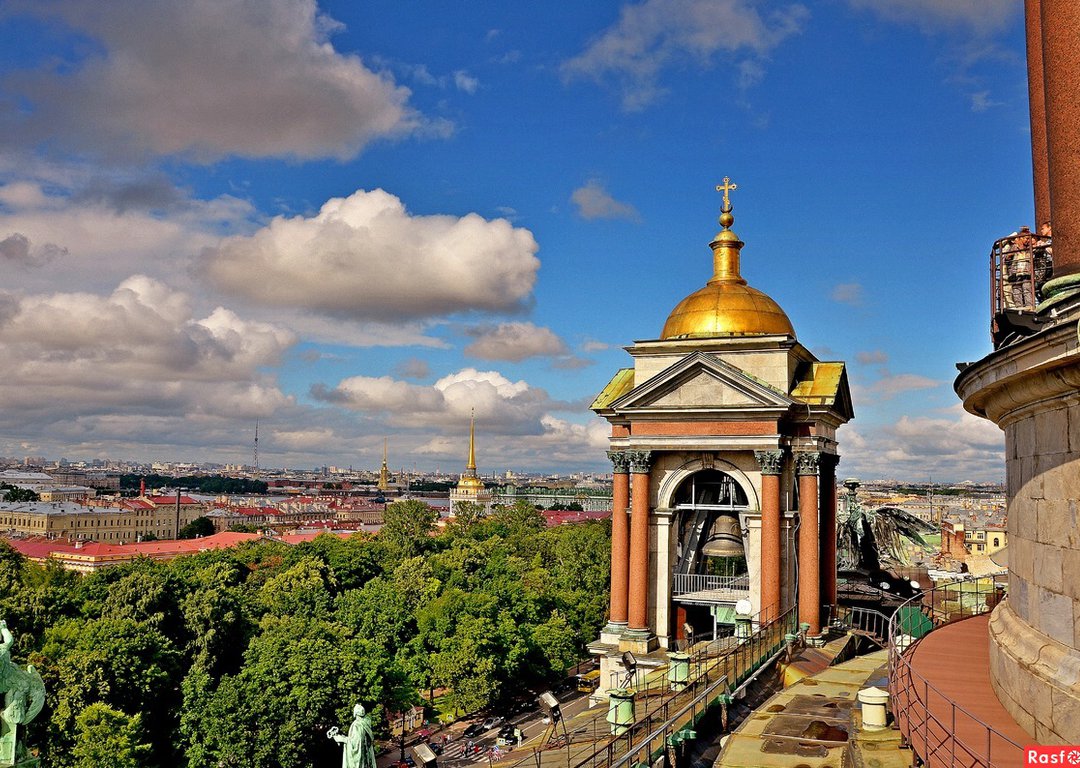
{"x": 1060, "y": 22}
{"x": 638, "y": 607}
{"x": 827, "y": 490}
{"x": 806, "y": 467}
{"x": 771, "y": 464}
{"x": 1037, "y": 109}
{"x": 620, "y": 541}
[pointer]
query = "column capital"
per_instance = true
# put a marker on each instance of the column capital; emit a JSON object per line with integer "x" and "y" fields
{"x": 806, "y": 462}
{"x": 620, "y": 462}
{"x": 639, "y": 461}
{"x": 828, "y": 460}
{"x": 770, "y": 462}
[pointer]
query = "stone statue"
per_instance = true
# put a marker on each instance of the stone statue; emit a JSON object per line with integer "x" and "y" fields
{"x": 24, "y": 696}
{"x": 359, "y": 744}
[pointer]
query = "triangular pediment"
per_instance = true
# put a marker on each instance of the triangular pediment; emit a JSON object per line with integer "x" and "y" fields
{"x": 703, "y": 382}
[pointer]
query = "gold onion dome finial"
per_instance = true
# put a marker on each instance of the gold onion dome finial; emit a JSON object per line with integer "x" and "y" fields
{"x": 726, "y": 306}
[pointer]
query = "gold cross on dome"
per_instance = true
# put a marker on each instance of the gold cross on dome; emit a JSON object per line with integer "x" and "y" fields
{"x": 726, "y": 187}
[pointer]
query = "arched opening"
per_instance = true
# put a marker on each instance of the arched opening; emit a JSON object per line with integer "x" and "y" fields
{"x": 710, "y": 541}
{"x": 710, "y": 572}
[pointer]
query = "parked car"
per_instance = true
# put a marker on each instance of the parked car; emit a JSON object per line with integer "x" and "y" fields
{"x": 493, "y": 722}
{"x": 474, "y": 730}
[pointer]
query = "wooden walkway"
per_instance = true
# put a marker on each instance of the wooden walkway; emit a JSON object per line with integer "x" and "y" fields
{"x": 943, "y": 701}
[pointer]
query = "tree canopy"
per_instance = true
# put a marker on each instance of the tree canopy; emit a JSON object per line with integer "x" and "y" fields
{"x": 246, "y": 656}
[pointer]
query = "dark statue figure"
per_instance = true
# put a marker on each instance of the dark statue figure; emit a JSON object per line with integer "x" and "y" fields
{"x": 359, "y": 745}
{"x": 23, "y": 696}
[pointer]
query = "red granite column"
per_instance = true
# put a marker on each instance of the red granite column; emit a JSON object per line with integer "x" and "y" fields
{"x": 806, "y": 467}
{"x": 771, "y": 463}
{"x": 827, "y": 491}
{"x": 638, "y": 608}
{"x": 1037, "y": 109}
{"x": 1060, "y": 21}
{"x": 620, "y": 541}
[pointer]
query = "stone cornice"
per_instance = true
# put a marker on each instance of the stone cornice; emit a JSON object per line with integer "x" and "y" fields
{"x": 1044, "y": 367}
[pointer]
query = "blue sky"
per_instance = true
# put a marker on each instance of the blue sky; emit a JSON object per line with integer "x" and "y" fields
{"x": 358, "y": 220}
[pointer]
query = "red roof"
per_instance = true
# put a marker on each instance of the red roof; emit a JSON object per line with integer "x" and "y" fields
{"x": 38, "y": 548}
{"x": 300, "y": 538}
{"x": 163, "y": 501}
{"x": 565, "y": 517}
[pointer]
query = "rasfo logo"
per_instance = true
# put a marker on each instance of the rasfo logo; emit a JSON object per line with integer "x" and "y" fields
{"x": 1063, "y": 756}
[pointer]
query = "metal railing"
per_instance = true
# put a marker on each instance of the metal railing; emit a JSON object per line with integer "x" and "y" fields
{"x": 927, "y": 718}
{"x": 711, "y": 677}
{"x": 685, "y": 583}
{"x": 866, "y": 621}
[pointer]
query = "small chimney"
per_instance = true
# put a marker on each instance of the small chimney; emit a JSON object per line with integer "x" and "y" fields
{"x": 142, "y": 488}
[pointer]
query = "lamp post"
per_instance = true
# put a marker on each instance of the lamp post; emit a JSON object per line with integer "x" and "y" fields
{"x": 401, "y": 758}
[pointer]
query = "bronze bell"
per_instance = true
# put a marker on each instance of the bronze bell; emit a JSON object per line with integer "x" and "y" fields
{"x": 725, "y": 538}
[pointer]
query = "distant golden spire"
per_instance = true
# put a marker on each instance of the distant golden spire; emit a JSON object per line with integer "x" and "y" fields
{"x": 384, "y": 472}
{"x": 469, "y": 480}
{"x": 472, "y": 440}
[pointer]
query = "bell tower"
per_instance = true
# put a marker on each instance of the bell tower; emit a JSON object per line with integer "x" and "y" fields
{"x": 724, "y": 453}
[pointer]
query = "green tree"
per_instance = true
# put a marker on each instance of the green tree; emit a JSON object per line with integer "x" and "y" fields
{"x": 19, "y": 494}
{"x": 299, "y": 677}
{"x": 126, "y": 664}
{"x": 557, "y": 644}
{"x": 215, "y": 617}
{"x": 305, "y": 589}
{"x": 108, "y": 738}
{"x": 521, "y": 518}
{"x": 407, "y": 527}
{"x": 466, "y": 514}
{"x": 200, "y": 526}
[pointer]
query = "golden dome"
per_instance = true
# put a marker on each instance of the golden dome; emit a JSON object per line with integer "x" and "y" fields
{"x": 470, "y": 483}
{"x": 726, "y": 306}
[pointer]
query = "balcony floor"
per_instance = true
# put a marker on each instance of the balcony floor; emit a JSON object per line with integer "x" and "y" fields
{"x": 956, "y": 661}
{"x": 713, "y": 596}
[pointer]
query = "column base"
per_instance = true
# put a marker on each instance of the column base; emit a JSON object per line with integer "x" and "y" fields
{"x": 639, "y": 641}
{"x": 613, "y": 632}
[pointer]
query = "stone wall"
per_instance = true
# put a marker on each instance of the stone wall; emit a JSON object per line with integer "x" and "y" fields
{"x": 1032, "y": 390}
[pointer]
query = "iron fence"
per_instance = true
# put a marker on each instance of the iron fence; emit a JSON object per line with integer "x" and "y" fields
{"x": 928, "y": 719}
{"x": 712, "y": 675}
{"x": 684, "y": 583}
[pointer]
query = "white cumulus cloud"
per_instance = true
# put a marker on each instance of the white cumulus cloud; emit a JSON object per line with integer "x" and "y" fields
{"x": 139, "y": 351}
{"x": 653, "y": 35}
{"x": 514, "y": 342}
{"x": 595, "y": 202}
{"x": 982, "y": 16}
{"x": 366, "y": 257}
{"x": 505, "y": 407}
{"x": 206, "y": 78}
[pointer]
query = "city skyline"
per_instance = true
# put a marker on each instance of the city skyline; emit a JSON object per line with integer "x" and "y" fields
{"x": 351, "y": 223}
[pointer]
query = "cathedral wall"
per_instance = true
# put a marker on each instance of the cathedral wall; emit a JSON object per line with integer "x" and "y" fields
{"x": 1030, "y": 390}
